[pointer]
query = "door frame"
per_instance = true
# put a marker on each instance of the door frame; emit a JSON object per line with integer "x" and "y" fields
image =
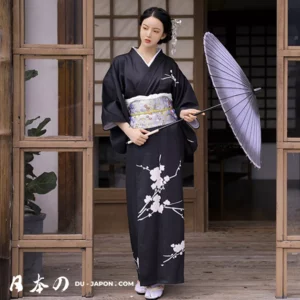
{"x": 5, "y": 145}
{"x": 68, "y": 243}
{"x": 285, "y": 243}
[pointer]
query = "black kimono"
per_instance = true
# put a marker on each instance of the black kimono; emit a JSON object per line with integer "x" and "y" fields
{"x": 153, "y": 171}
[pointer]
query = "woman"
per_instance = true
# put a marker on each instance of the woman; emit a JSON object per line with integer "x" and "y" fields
{"x": 142, "y": 91}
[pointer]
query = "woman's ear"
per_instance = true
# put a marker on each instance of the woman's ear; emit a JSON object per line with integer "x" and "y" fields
{"x": 163, "y": 36}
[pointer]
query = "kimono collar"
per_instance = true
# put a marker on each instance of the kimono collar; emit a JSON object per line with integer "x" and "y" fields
{"x": 158, "y": 50}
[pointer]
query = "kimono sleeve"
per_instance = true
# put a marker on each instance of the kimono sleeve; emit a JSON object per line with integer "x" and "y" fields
{"x": 185, "y": 98}
{"x": 183, "y": 94}
{"x": 113, "y": 106}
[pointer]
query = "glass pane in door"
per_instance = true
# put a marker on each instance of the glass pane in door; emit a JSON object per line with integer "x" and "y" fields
{"x": 53, "y": 97}
{"x": 53, "y": 22}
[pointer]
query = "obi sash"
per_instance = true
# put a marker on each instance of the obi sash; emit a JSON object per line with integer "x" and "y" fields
{"x": 151, "y": 111}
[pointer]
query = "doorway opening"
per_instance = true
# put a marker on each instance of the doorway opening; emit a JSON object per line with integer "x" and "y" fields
{"x": 238, "y": 191}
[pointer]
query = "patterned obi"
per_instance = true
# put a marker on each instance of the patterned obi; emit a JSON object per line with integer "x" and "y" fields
{"x": 151, "y": 111}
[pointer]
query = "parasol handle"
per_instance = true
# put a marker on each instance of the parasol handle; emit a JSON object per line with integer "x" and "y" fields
{"x": 207, "y": 109}
{"x": 150, "y": 133}
{"x": 202, "y": 112}
{"x": 210, "y": 108}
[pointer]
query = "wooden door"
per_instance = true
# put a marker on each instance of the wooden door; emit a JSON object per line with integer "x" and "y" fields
{"x": 5, "y": 146}
{"x": 288, "y": 148}
{"x": 53, "y": 51}
{"x": 115, "y": 32}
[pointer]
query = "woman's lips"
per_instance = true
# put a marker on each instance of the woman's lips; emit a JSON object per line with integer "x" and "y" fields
{"x": 147, "y": 41}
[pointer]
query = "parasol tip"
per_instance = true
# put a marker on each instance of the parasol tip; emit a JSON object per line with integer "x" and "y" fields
{"x": 257, "y": 89}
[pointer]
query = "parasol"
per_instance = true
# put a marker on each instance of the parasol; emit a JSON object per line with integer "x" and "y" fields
{"x": 236, "y": 95}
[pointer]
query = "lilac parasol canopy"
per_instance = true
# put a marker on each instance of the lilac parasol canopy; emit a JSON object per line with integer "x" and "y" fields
{"x": 236, "y": 95}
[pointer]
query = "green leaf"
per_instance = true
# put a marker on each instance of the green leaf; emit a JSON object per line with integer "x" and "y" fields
{"x": 41, "y": 132}
{"x": 43, "y": 184}
{"x": 32, "y": 132}
{"x": 34, "y": 207}
{"x": 43, "y": 123}
{"x": 28, "y": 122}
{"x": 28, "y": 156}
{"x": 29, "y": 195}
{"x": 29, "y": 170}
{"x": 27, "y": 180}
{"x": 30, "y": 74}
{"x": 36, "y": 132}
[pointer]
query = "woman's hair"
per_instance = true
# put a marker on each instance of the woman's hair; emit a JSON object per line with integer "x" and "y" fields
{"x": 161, "y": 15}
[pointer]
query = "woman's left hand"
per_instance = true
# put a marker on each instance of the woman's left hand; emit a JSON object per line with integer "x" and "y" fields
{"x": 188, "y": 114}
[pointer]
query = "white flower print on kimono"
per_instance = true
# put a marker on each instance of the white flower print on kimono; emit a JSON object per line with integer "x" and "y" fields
{"x": 137, "y": 263}
{"x": 171, "y": 76}
{"x": 153, "y": 203}
{"x": 178, "y": 249}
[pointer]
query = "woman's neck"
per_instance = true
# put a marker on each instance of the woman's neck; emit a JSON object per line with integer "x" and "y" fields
{"x": 148, "y": 52}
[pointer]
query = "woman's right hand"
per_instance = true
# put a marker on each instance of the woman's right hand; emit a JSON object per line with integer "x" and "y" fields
{"x": 137, "y": 135}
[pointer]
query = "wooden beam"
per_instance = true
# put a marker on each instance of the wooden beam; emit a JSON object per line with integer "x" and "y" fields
{"x": 57, "y": 50}
{"x": 52, "y": 244}
{"x": 282, "y": 145}
{"x": 70, "y": 77}
{"x": 66, "y": 144}
{"x": 5, "y": 144}
{"x": 200, "y": 168}
{"x": 295, "y": 245}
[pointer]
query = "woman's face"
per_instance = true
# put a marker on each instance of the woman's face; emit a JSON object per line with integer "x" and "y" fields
{"x": 151, "y": 32}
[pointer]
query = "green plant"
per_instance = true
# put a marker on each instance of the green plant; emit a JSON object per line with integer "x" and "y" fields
{"x": 45, "y": 182}
{"x": 41, "y": 184}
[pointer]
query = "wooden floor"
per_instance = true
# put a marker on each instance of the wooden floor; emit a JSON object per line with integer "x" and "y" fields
{"x": 232, "y": 261}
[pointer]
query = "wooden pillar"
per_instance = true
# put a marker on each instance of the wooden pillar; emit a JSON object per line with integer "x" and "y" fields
{"x": 70, "y": 105}
{"x": 5, "y": 144}
{"x": 200, "y": 157}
